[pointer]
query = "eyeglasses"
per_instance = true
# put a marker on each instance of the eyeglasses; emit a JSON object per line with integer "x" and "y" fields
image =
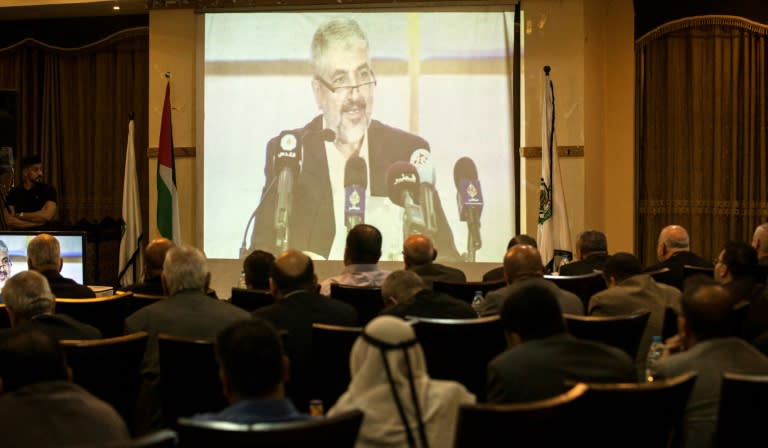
{"x": 366, "y": 79}
{"x": 6, "y": 263}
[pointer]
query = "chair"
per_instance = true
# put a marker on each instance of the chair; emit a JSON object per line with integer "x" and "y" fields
{"x": 642, "y": 415}
{"x": 367, "y": 301}
{"x": 164, "y": 438}
{"x": 659, "y": 274}
{"x": 189, "y": 377}
{"x": 584, "y": 286}
{"x": 105, "y": 313}
{"x": 109, "y": 368}
{"x": 466, "y": 290}
{"x": 460, "y": 349}
{"x": 624, "y": 332}
{"x": 669, "y": 327}
{"x": 5, "y": 319}
{"x": 690, "y": 271}
{"x": 539, "y": 423}
{"x": 251, "y": 299}
{"x": 139, "y": 301}
{"x": 331, "y": 346}
{"x": 743, "y": 407}
{"x": 337, "y": 431}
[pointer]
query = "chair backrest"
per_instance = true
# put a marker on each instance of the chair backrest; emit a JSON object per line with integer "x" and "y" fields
{"x": 189, "y": 377}
{"x": 658, "y": 274}
{"x": 460, "y": 349}
{"x": 584, "y": 286}
{"x": 743, "y": 407}
{"x": 538, "y": 423}
{"x": 331, "y": 346}
{"x": 109, "y": 368}
{"x": 164, "y": 438}
{"x": 634, "y": 414}
{"x": 367, "y": 301}
{"x": 105, "y": 313}
{"x": 139, "y": 301}
{"x": 466, "y": 290}
{"x": 251, "y": 299}
{"x": 624, "y": 332}
{"x": 669, "y": 327}
{"x": 689, "y": 271}
{"x": 337, "y": 431}
{"x": 5, "y": 320}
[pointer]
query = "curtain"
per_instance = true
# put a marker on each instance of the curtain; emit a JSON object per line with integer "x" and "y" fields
{"x": 701, "y": 132}
{"x": 73, "y": 107}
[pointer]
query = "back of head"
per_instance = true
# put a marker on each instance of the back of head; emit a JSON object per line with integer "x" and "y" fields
{"x": 418, "y": 250}
{"x": 250, "y": 353}
{"x": 531, "y": 310}
{"x": 29, "y": 357}
{"x": 154, "y": 255}
{"x": 740, "y": 258}
{"x": 522, "y": 239}
{"x": 292, "y": 271}
{"x": 592, "y": 241}
{"x": 340, "y": 33}
{"x": 675, "y": 237}
{"x": 760, "y": 238}
{"x": 621, "y": 266}
{"x": 707, "y": 310}
{"x": 401, "y": 285}
{"x": 185, "y": 267}
{"x": 363, "y": 245}
{"x": 256, "y": 267}
{"x": 28, "y": 161}
{"x": 522, "y": 261}
{"x": 44, "y": 252}
{"x": 28, "y": 294}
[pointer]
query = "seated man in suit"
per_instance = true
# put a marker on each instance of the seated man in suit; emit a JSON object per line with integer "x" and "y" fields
{"x": 591, "y": 251}
{"x": 736, "y": 270}
{"x": 154, "y": 256}
{"x": 44, "y": 256}
{"x": 674, "y": 252}
{"x": 31, "y": 305}
{"x": 523, "y": 262}
{"x": 361, "y": 260}
{"x": 41, "y": 407}
{"x": 497, "y": 274}
{"x": 253, "y": 370}
{"x": 542, "y": 356}
{"x": 297, "y": 306}
{"x": 709, "y": 349}
{"x": 256, "y": 269}
{"x": 407, "y": 295}
{"x": 419, "y": 257}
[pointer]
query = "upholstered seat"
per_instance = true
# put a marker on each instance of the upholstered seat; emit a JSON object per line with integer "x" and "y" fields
{"x": 105, "y": 313}
{"x": 366, "y": 301}
{"x": 584, "y": 286}
{"x": 624, "y": 332}
{"x": 331, "y": 346}
{"x": 251, "y": 299}
{"x": 743, "y": 407}
{"x": 466, "y": 290}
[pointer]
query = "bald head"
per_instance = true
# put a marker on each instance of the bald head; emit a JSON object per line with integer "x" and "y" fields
{"x": 154, "y": 256}
{"x": 292, "y": 271}
{"x": 522, "y": 261}
{"x": 760, "y": 240}
{"x": 44, "y": 253}
{"x": 672, "y": 239}
{"x": 706, "y": 311}
{"x": 418, "y": 250}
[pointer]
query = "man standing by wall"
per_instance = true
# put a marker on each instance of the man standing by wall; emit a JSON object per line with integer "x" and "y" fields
{"x": 33, "y": 203}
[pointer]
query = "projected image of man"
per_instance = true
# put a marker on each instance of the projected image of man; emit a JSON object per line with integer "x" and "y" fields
{"x": 343, "y": 84}
{"x": 5, "y": 263}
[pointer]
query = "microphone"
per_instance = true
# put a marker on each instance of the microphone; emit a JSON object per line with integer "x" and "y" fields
{"x": 469, "y": 198}
{"x": 402, "y": 187}
{"x": 422, "y": 160}
{"x": 355, "y": 183}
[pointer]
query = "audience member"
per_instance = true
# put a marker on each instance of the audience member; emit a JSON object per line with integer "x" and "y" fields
{"x": 524, "y": 262}
{"x": 419, "y": 256}
{"x": 361, "y": 258}
{"x": 674, "y": 252}
{"x": 760, "y": 243}
{"x": 591, "y": 254}
{"x": 630, "y": 291}
{"x": 44, "y": 256}
{"x": 405, "y": 294}
{"x": 154, "y": 256}
{"x": 31, "y": 305}
{"x": 39, "y": 405}
{"x": 403, "y": 406}
{"x": 297, "y": 306}
{"x": 33, "y": 203}
{"x": 542, "y": 355}
{"x": 256, "y": 269}
{"x": 736, "y": 270}
{"x": 497, "y": 274}
{"x": 253, "y": 370}
{"x": 708, "y": 350}
{"x": 5, "y": 263}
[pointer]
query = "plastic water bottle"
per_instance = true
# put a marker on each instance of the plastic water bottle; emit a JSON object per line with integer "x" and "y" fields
{"x": 477, "y": 301}
{"x": 654, "y": 353}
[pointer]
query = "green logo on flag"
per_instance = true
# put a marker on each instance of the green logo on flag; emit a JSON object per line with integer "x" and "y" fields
{"x": 545, "y": 202}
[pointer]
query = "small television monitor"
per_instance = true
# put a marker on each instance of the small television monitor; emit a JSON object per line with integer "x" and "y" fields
{"x": 73, "y": 249}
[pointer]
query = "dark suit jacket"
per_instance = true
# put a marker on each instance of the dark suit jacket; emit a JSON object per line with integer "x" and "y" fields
{"x": 150, "y": 286}
{"x": 427, "y": 303}
{"x": 312, "y": 225}
{"x": 538, "y": 369}
{"x": 61, "y": 326}
{"x": 295, "y": 313}
{"x": 434, "y": 271}
{"x": 67, "y": 288}
{"x": 585, "y": 266}
{"x": 675, "y": 263}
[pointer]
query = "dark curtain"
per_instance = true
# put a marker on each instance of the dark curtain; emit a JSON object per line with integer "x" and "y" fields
{"x": 73, "y": 106}
{"x": 702, "y": 156}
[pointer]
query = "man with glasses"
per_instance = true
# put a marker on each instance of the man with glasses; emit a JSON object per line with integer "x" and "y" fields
{"x": 343, "y": 84}
{"x": 5, "y": 263}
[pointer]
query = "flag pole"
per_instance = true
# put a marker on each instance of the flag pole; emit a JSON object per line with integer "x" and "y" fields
{"x": 550, "y": 135}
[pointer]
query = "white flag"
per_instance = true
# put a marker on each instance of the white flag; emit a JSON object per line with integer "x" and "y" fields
{"x": 553, "y": 236}
{"x": 130, "y": 244}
